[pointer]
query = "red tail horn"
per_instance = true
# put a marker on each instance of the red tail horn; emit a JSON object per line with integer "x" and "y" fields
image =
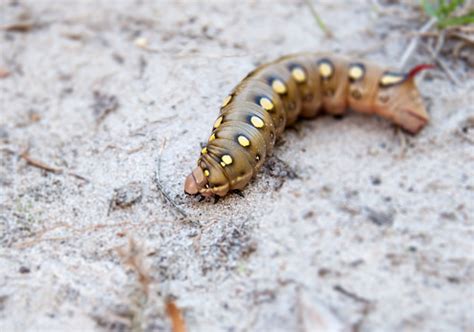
{"x": 415, "y": 70}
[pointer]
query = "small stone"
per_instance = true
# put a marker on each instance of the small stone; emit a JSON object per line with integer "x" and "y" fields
{"x": 448, "y": 215}
{"x": 380, "y": 218}
{"x": 24, "y": 270}
{"x": 127, "y": 195}
{"x": 323, "y": 272}
{"x": 375, "y": 180}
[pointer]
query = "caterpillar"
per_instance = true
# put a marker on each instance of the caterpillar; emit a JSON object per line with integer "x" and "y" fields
{"x": 275, "y": 95}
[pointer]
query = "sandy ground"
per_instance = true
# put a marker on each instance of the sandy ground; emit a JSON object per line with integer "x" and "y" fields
{"x": 351, "y": 225}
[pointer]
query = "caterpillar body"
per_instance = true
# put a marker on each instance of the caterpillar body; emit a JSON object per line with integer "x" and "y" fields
{"x": 274, "y": 95}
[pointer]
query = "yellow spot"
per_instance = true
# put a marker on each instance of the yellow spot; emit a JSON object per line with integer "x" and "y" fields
{"x": 244, "y": 141}
{"x": 325, "y": 69}
{"x": 206, "y": 172}
{"x": 279, "y": 87}
{"x": 356, "y": 72}
{"x": 298, "y": 74}
{"x": 204, "y": 150}
{"x": 226, "y": 101}
{"x": 226, "y": 159}
{"x": 256, "y": 122}
{"x": 218, "y": 122}
{"x": 213, "y": 137}
{"x": 222, "y": 164}
{"x": 266, "y": 103}
{"x": 389, "y": 79}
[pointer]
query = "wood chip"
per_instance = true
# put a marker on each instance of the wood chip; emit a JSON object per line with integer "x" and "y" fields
{"x": 176, "y": 316}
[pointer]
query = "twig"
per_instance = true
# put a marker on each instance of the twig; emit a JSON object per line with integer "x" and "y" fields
{"x": 414, "y": 42}
{"x": 39, "y": 164}
{"x": 403, "y": 140}
{"x": 318, "y": 19}
{"x": 80, "y": 177}
{"x": 37, "y": 238}
{"x": 462, "y": 36}
{"x": 442, "y": 65}
{"x": 23, "y": 26}
{"x": 132, "y": 256}
{"x": 159, "y": 186}
{"x": 353, "y": 296}
{"x": 176, "y": 316}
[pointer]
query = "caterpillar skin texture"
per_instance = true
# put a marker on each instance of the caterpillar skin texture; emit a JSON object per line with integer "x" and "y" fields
{"x": 274, "y": 95}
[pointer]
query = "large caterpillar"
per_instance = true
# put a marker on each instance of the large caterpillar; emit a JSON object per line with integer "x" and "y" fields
{"x": 274, "y": 95}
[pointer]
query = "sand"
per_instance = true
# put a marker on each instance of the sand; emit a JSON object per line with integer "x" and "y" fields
{"x": 352, "y": 224}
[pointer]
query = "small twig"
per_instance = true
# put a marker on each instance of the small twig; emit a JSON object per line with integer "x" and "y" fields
{"x": 357, "y": 326}
{"x": 442, "y": 65}
{"x": 132, "y": 256}
{"x": 39, "y": 237}
{"x": 462, "y": 36}
{"x": 176, "y": 316}
{"x": 318, "y": 19}
{"x": 22, "y": 26}
{"x": 39, "y": 164}
{"x": 139, "y": 131}
{"x": 353, "y": 296}
{"x": 403, "y": 140}
{"x": 80, "y": 177}
{"x": 414, "y": 42}
{"x": 159, "y": 186}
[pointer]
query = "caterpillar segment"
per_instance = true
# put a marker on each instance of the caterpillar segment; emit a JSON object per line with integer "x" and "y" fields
{"x": 275, "y": 95}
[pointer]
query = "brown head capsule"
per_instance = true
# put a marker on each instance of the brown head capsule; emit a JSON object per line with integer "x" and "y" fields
{"x": 195, "y": 181}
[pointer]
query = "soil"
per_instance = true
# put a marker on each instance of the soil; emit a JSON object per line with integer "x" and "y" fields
{"x": 351, "y": 225}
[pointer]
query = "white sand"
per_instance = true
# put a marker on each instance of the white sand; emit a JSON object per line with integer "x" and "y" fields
{"x": 371, "y": 234}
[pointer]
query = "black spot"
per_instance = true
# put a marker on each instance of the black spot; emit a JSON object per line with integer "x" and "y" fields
{"x": 238, "y": 192}
{"x": 294, "y": 65}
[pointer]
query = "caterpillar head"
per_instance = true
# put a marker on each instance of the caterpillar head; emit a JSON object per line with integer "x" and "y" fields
{"x": 198, "y": 183}
{"x": 399, "y": 99}
{"x": 195, "y": 182}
